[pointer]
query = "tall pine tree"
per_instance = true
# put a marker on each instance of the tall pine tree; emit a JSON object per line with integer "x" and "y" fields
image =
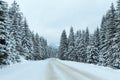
{"x": 27, "y": 43}
{"x": 71, "y": 45}
{"x": 16, "y": 20}
{"x": 3, "y": 33}
{"x": 63, "y": 46}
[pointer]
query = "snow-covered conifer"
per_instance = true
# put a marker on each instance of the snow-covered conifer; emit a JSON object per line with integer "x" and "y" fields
{"x": 63, "y": 45}
{"x": 27, "y": 43}
{"x": 3, "y": 33}
{"x": 71, "y": 45}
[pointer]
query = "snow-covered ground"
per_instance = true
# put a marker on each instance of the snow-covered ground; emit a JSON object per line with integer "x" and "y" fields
{"x": 54, "y": 69}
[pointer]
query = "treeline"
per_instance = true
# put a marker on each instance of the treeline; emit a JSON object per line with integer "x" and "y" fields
{"x": 17, "y": 40}
{"x": 101, "y": 48}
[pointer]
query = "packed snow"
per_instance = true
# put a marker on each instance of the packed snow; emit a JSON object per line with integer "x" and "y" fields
{"x": 54, "y": 69}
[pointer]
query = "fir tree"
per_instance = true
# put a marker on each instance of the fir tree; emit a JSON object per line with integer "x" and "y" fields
{"x": 116, "y": 41}
{"x": 111, "y": 23}
{"x": 81, "y": 48}
{"x": 92, "y": 54}
{"x": 87, "y": 37}
{"x": 63, "y": 46}
{"x": 78, "y": 36}
{"x": 71, "y": 45}
{"x": 3, "y": 33}
{"x": 15, "y": 17}
{"x": 43, "y": 48}
{"x": 110, "y": 34}
{"x": 97, "y": 38}
{"x": 103, "y": 31}
{"x": 118, "y": 10}
{"x": 92, "y": 50}
{"x": 27, "y": 43}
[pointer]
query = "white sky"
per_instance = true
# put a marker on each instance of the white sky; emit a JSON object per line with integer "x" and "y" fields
{"x": 50, "y": 17}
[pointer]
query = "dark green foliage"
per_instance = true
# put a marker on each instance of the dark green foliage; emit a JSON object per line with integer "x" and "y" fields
{"x": 3, "y": 33}
{"x": 63, "y": 46}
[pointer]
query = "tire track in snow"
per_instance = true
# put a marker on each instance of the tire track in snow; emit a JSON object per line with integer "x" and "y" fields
{"x": 74, "y": 73}
{"x": 51, "y": 74}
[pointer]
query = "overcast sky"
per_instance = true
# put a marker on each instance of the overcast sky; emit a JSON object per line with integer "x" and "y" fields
{"x": 50, "y": 17}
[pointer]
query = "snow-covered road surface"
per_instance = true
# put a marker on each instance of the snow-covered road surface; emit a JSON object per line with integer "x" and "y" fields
{"x": 54, "y": 69}
{"x": 69, "y": 73}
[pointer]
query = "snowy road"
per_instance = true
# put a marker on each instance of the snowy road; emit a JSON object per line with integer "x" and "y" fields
{"x": 53, "y": 69}
{"x": 67, "y": 72}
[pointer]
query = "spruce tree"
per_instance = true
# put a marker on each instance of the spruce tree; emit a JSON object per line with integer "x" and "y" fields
{"x": 71, "y": 45}
{"x": 13, "y": 55}
{"x": 16, "y": 20}
{"x": 103, "y": 30}
{"x": 118, "y": 10}
{"x": 36, "y": 55}
{"x": 87, "y": 37}
{"x": 116, "y": 41}
{"x": 4, "y": 54}
{"x": 92, "y": 54}
{"x": 71, "y": 38}
{"x": 77, "y": 44}
{"x": 92, "y": 51}
{"x": 36, "y": 47}
{"x": 97, "y": 38}
{"x": 81, "y": 48}
{"x": 43, "y": 48}
{"x": 27, "y": 43}
{"x": 87, "y": 42}
{"x": 63, "y": 46}
{"x": 107, "y": 49}
{"x": 111, "y": 23}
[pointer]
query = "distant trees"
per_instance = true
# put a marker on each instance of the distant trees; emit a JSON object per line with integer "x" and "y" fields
{"x": 101, "y": 47}
{"x": 52, "y": 52}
